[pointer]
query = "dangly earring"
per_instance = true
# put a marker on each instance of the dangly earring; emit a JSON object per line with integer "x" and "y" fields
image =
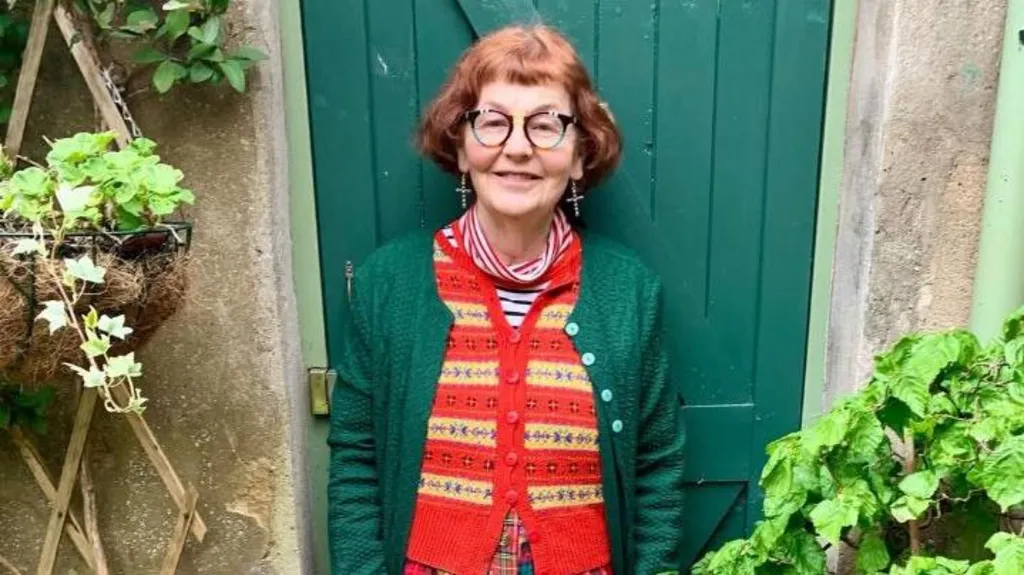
{"x": 575, "y": 198}
{"x": 463, "y": 191}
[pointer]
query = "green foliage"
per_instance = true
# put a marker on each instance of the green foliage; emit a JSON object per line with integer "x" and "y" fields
{"x": 24, "y": 407}
{"x": 182, "y": 40}
{"x": 851, "y": 478}
{"x": 86, "y": 185}
{"x": 176, "y": 41}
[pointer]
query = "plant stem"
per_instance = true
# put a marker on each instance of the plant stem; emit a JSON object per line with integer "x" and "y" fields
{"x": 92, "y": 528}
{"x": 908, "y": 466}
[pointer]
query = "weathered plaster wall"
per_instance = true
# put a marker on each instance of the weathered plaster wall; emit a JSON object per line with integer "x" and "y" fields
{"x": 922, "y": 96}
{"x": 223, "y": 375}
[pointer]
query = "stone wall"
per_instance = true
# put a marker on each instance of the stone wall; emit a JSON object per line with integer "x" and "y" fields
{"x": 922, "y": 98}
{"x": 221, "y": 375}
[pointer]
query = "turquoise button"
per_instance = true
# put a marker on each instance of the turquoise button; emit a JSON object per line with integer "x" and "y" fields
{"x": 607, "y": 395}
{"x": 572, "y": 328}
{"x": 617, "y": 425}
{"x": 588, "y": 359}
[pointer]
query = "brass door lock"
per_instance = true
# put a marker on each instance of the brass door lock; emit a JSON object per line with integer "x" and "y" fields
{"x": 321, "y": 382}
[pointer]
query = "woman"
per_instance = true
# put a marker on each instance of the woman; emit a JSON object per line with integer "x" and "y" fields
{"x": 502, "y": 405}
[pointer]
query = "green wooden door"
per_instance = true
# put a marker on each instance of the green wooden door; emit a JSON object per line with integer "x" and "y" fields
{"x": 721, "y": 104}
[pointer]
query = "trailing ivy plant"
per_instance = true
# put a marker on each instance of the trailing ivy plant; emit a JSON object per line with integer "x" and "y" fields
{"x": 86, "y": 186}
{"x": 909, "y": 472}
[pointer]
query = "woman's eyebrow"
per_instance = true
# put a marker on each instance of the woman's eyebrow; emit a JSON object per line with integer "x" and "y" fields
{"x": 541, "y": 108}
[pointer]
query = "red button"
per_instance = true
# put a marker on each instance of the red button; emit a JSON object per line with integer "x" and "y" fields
{"x": 511, "y": 497}
{"x": 514, "y": 337}
{"x": 511, "y": 459}
{"x": 512, "y": 416}
{"x": 513, "y": 377}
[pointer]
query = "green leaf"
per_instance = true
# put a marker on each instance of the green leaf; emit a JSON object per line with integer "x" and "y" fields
{"x": 176, "y": 5}
{"x": 247, "y": 53}
{"x": 90, "y": 378}
{"x": 951, "y": 448}
{"x": 940, "y": 403}
{"x": 909, "y": 507}
{"x": 177, "y": 22}
{"x": 1013, "y": 326}
{"x": 142, "y": 20}
{"x": 1002, "y": 473}
{"x": 105, "y": 17}
{"x": 983, "y": 568}
{"x": 27, "y": 246}
{"x": 921, "y": 484}
{"x": 167, "y": 74}
{"x": 123, "y": 366}
{"x": 73, "y": 201}
{"x": 211, "y": 30}
{"x": 199, "y": 72}
{"x": 114, "y": 326}
{"x": 96, "y": 346}
{"x": 801, "y": 554}
{"x": 1014, "y": 352}
{"x": 199, "y": 50}
{"x": 54, "y": 313}
{"x": 1009, "y": 552}
{"x": 912, "y": 391}
{"x": 831, "y": 517}
{"x": 864, "y": 436}
{"x": 149, "y": 55}
{"x": 872, "y": 555}
{"x": 233, "y": 72}
{"x": 91, "y": 319}
{"x": 83, "y": 269}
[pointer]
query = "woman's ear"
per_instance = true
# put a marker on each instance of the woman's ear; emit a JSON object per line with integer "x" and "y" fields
{"x": 576, "y": 171}
{"x": 463, "y": 160}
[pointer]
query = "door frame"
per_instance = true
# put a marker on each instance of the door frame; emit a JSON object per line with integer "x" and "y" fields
{"x": 306, "y": 250}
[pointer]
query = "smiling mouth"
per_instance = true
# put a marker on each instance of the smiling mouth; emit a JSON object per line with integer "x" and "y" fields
{"x": 523, "y": 176}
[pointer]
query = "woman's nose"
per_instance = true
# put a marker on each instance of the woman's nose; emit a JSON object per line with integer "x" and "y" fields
{"x": 518, "y": 144}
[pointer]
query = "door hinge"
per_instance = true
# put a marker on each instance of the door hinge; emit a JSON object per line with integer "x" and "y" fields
{"x": 321, "y": 382}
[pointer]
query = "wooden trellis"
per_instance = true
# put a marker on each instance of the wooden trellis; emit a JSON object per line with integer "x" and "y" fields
{"x": 115, "y": 115}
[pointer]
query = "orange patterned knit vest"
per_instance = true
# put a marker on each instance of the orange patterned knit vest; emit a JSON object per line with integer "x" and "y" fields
{"x": 512, "y": 427}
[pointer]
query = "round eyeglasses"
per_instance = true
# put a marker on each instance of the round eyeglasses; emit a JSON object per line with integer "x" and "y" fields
{"x": 543, "y": 129}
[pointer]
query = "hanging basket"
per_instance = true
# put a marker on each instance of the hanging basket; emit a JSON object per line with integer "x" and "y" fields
{"x": 146, "y": 279}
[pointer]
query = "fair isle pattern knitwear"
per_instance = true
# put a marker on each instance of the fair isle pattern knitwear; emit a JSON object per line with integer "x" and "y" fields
{"x": 512, "y": 428}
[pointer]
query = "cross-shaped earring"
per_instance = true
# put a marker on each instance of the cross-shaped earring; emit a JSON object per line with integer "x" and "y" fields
{"x": 575, "y": 198}
{"x": 463, "y": 191}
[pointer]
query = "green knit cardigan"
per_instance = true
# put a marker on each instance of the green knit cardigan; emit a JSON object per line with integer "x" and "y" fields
{"x": 393, "y": 343}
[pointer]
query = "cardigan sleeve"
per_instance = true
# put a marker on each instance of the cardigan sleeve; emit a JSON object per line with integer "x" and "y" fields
{"x": 659, "y": 459}
{"x": 354, "y": 510}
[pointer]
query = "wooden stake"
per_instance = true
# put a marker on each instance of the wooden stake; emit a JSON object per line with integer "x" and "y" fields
{"x": 92, "y": 527}
{"x": 160, "y": 462}
{"x": 68, "y": 476}
{"x": 89, "y": 65}
{"x": 177, "y": 543}
{"x": 34, "y": 461}
{"x": 9, "y": 566}
{"x": 30, "y": 60}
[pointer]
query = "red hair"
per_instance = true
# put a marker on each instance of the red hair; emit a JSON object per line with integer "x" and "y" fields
{"x": 531, "y": 56}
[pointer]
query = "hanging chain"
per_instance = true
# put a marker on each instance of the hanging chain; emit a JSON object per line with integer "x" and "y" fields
{"x": 120, "y": 104}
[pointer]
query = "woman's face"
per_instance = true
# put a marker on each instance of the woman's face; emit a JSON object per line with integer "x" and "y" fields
{"x": 518, "y": 179}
